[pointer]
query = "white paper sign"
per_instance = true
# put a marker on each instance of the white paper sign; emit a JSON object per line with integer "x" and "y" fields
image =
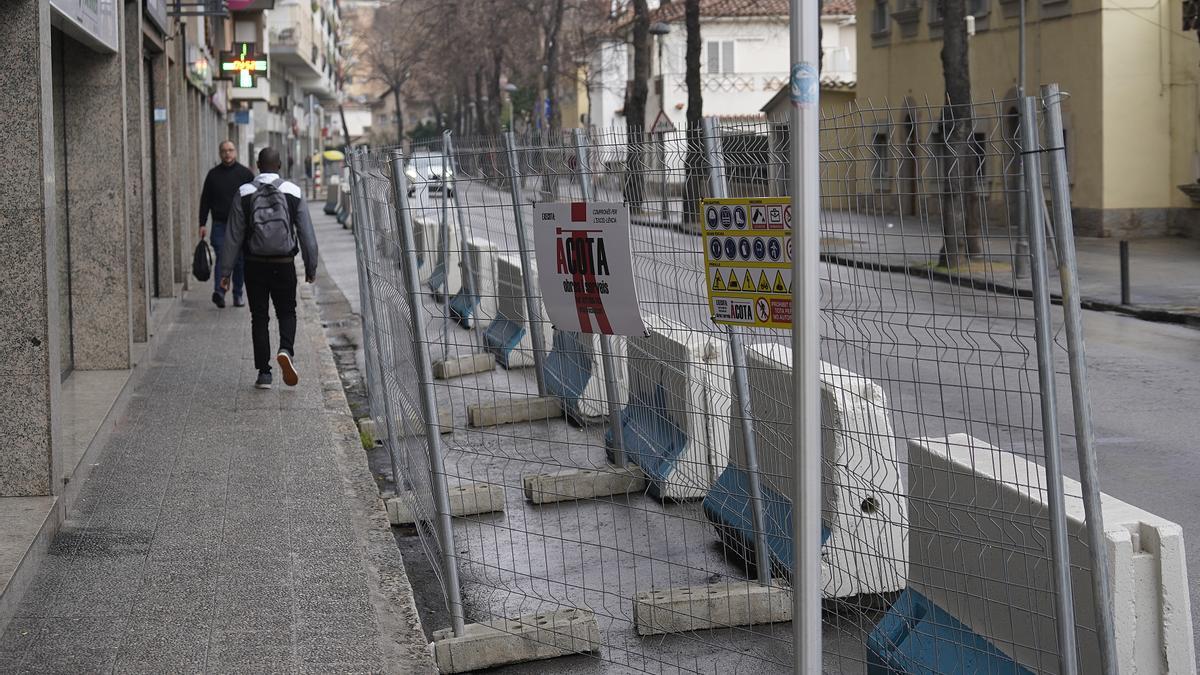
{"x": 585, "y": 267}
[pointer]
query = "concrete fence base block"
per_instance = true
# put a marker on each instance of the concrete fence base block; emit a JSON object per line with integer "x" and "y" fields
{"x": 466, "y": 499}
{"x": 520, "y": 409}
{"x": 528, "y": 638}
{"x": 464, "y": 365}
{"x": 411, "y": 429}
{"x": 574, "y": 484}
{"x": 722, "y": 605}
{"x": 368, "y": 428}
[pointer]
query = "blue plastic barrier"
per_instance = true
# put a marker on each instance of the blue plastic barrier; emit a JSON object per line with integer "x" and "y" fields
{"x": 916, "y": 637}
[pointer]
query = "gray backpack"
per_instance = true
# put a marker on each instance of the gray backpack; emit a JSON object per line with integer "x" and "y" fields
{"x": 270, "y": 222}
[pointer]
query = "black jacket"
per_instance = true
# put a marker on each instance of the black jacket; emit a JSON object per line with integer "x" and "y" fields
{"x": 220, "y": 189}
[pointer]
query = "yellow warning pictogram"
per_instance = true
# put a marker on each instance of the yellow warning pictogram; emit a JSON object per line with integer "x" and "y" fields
{"x": 748, "y": 283}
{"x": 733, "y": 281}
{"x": 718, "y": 282}
{"x": 780, "y": 287}
{"x": 764, "y": 286}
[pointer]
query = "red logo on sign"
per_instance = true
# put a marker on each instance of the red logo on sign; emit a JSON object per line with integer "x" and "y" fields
{"x": 580, "y": 255}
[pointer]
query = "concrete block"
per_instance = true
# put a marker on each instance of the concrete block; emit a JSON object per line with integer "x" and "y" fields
{"x": 508, "y": 336}
{"x": 574, "y": 373}
{"x": 477, "y": 308}
{"x": 528, "y": 638}
{"x": 573, "y": 484}
{"x": 463, "y": 365}
{"x": 979, "y": 547}
{"x": 366, "y": 427}
{"x": 518, "y": 409}
{"x": 411, "y": 428}
{"x": 862, "y": 502}
{"x": 675, "y": 423}
{"x": 721, "y": 605}
{"x": 466, "y": 499}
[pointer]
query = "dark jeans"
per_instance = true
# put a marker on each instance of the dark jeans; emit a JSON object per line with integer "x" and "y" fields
{"x": 271, "y": 283}
{"x": 218, "y": 242}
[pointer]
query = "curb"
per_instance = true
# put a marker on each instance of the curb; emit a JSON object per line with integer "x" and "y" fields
{"x": 1143, "y": 312}
{"x": 402, "y": 641}
{"x": 1154, "y": 314}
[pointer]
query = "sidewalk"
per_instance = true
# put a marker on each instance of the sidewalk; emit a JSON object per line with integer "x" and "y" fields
{"x": 1164, "y": 272}
{"x": 224, "y": 528}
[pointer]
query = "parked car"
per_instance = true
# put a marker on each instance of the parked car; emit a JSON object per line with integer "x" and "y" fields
{"x": 425, "y": 170}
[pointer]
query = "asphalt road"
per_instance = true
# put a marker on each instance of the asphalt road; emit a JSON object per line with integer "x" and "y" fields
{"x": 950, "y": 359}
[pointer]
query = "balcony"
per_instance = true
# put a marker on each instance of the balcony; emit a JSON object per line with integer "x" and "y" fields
{"x": 295, "y": 47}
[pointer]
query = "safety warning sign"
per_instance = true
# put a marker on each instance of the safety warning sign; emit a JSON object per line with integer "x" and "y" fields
{"x": 585, "y": 267}
{"x": 748, "y": 260}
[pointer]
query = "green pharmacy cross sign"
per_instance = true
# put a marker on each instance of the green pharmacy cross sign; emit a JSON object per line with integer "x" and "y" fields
{"x": 243, "y": 67}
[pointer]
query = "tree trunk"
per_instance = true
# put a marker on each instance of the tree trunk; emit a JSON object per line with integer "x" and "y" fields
{"x": 694, "y": 187}
{"x": 635, "y": 106}
{"x": 479, "y": 111}
{"x": 553, "y": 28}
{"x": 396, "y": 98}
{"x": 494, "y": 102}
{"x": 960, "y": 199}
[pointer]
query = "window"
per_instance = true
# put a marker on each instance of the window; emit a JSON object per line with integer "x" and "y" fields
{"x": 880, "y": 169}
{"x": 720, "y": 57}
{"x": 880, "y": 19}
{"x": 935, "y": 12}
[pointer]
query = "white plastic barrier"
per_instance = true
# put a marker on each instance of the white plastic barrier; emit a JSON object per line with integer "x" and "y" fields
{"x": 675, "y": 425}
{"x": 507, "y": 335}
{"x": 863, "y": 505}
{"x": 575, "y": 374}
{"x": 436, "y": 270}
{"x": 476, "y": 306}
{"x": 979, "y": 547}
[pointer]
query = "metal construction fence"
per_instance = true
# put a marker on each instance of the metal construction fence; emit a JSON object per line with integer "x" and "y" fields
{"x": 630, "y": 498}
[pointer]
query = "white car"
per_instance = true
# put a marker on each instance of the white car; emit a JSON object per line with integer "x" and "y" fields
{"x": 425, "y": 169}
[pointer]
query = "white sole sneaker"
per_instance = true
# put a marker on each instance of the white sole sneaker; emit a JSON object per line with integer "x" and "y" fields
{"x": 262, "y": 386}
{"x": 290, "y": 377}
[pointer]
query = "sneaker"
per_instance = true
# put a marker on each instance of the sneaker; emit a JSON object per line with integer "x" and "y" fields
{"x": 264, "y": 380}
{"x": 290, "y": 376}
{"x": 218, "y": 300}
{"x": 238, "y": 302}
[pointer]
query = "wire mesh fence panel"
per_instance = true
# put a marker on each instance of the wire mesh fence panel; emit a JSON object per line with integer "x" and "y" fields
{"x": 395, "y": 403}
{"x": 935, "y": 527}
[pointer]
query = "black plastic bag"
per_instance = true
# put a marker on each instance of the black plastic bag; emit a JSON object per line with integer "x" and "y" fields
{"x": 202, "y": 262}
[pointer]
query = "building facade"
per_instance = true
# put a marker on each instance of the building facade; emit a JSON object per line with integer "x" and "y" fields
{"x": 1133, "y": 75}
{"x": 116, "y": 113}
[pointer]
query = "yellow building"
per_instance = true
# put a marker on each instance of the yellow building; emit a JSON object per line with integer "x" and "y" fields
{"x": 1132, "y": 72}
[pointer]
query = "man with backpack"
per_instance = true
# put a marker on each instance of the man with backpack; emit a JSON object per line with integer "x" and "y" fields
{"x": 269, "y": 224}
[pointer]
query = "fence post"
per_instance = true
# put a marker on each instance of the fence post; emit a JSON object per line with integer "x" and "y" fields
{"x": 444, "y": 248}
{"x": 364, "y": 227}
{"x": 804, "y": 146}
{"x": 532, "y": 316}
{"x": 464, "y": 234}
{"x": 606, "y": 358}
{"x": 741, "y": 380}
{"x": 1039, "y": 272}
{"x": 1089, "y": 471}
{"x": 433, "y": 437}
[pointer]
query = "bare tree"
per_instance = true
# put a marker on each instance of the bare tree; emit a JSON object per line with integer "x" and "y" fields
{"x": 961, "y": 216}
{"x": 394, "y": 49}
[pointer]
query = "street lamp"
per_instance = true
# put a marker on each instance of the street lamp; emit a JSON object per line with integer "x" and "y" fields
{"x": 659, "y": 30}
{"x": 509, "y": 90}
